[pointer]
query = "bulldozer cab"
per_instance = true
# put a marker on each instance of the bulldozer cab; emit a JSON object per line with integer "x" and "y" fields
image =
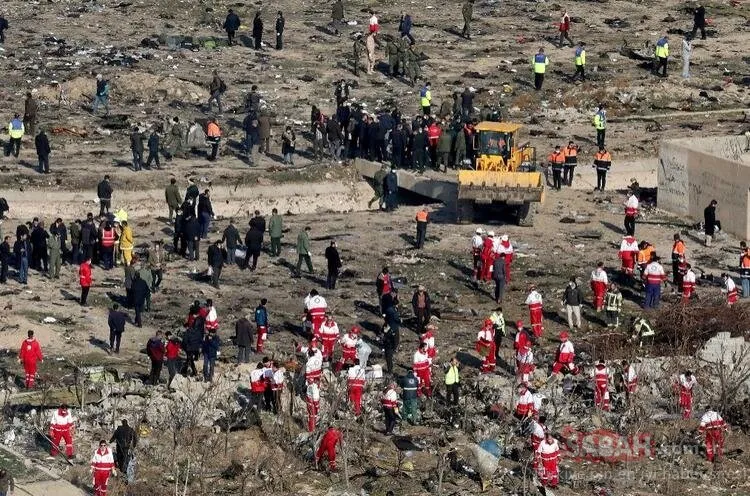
{"x": 498, "y": 148}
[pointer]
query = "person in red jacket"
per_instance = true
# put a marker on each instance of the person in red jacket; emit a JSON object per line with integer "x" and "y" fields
{"x": 84, "y": 275}
{"x": 102, "y": 466}
{"x": 29, "y": 355}
{"x": 327, "y": 447}
{"x": 173, "y": 356}
{"x": 433, "y": 136}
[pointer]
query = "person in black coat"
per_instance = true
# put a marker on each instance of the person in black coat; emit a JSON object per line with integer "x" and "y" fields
{"x": 254, "y": 244}
{"x": 88, "y": 238}
{"x": 257, "y": 31}
{"x": 334, "y": 265}
{"x": 216, "y": 254}
{"x": 136, "y": 146}
{"x": 104, "y": 193}
{"x": 710, "y": 222}
{"x": 258, "y": 222}
{"x": 699, "y": 21}
{"x": 42, "y": 151}
{"x": 231, "y": 24}
{"x": 153, "y": 150}
{"x": 192, "y": 233}
{"x": 390, "y": 189}
{"x": 116, "y": 322}
{"x": 4, "y": 259}
{"x": 205, "y": 213}
{"x": 243, "y": 330}
{"x": 191, "y": 345}
{"x": 231, "y": 239}
{"x": 397, "y": 145}
{"x": 280, "y": 22}
{"x": 141, "y": 292}
{"x": 39, "y": 237}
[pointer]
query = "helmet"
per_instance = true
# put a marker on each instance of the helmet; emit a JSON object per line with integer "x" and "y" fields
{"x": 564, "y": 335}
{"x": 354, "y": 330}
{"x": 504, "y": 237}
{"x": 488, "y": 322}
{"x": 519, "y": 324}
{"x": 479, "y": 230}
{"x": 490, "y": 233}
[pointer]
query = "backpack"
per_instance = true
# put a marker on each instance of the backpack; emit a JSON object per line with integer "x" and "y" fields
{"x": 222, "y": 86}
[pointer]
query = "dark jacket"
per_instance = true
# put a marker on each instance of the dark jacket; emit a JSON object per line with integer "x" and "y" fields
{"x": 136, "y": 142}
{"x": 153, "y": 142}
{"x": 409, "y": 383}
{"x": 4, "y": 252}
{"x": 210, "y": 346}
{"x": 140, "y": 291}
{"x": 125, "y": 437}
{"x": 261, "y": 316}
{"x": 204, "y": 205}
{"x": 231, "y": 237}
{"x": 244, "y": 332}
{"x": 232, "y": 22}
{"x": 405, "y": 26}
{"x": 334, "y": 261}
{"x": 498, "y": 269}
{"x": 391, "y": 183}
{"x": 709, "y": 219}
{"x": 280, "y": 22}
{"x": 257, "y": 27}
{"x": 573, "y": 295}
{"x": 191, "y": 193}
{"x": 191, "y": 228}
{"x": 215, "y": 256}
{"x": 88, "y": 233}
{"x": 699, "y": 17}
{"x": 254, "y": 240}
{"x": 104, "y": 190}
{"x": 116, "y": 321}
{"x": 427, "y": 303}
{"x": 22, "y": 249}
{"x": 42, "y": 145}
{"x": 39, "y": 238}
{"x": 193, "y": 337}
{"x": 61, "y": 231}
{"x": 155, "y": 349}
{"x": 259, "y": 223}
{"x": 75, "y": 232}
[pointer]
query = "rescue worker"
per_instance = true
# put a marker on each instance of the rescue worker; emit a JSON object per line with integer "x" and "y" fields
{"x": 645, "y": 251}
{"x": 712, "y": 429}
{"x": 548, "y": 454}
{"x": 653, "y": 276}
{"x": 487, "y": 256}
{"x": 261, "y": 320}
{"x": 212, "y": 317}
{"x": 525, "y": 366}
{"x": 421, "y": 219}
{"x": 329, "y": 335}
{"x": 421, "y": 364}
{"x": 539, "y": 63}
{"x": 428, "y": 338}
{"x": 425, "y": 98}
{"x": 410, "y": 395}
{"x": 629, "y": 379}
{"x": 312, "y": 399}
{"x": 477, "y": 241}
{"x": 602, "y": 163}
{"x": 678, "y": 253}
{"x": 315, "y": 312}
{"x": 688, "y": 283}
{"x": 524, "y": 403}
{"x": 661, "y": 56}
{"x": 564, "y": 29}
{"x": 685, "y": 385}
{"x": 332, "y": 438}
{"x": 600, "y": 125}
{"x": 613, "y": 306}
{"x": 355, "y": 384}
{"x": 580, "y": 61}
{"x": 534, "y": 302}
{"x": 126, "y": 242}
{"x": 452, "y": 383}
{"x": 556, "y": 160}
{"x": 628, "y": 254}
{"x": 391, "y": 50}
{"x": 599, "y": 282}
{"x": 565, "y": 356}
{"x": 521, "y": 338}
{"x": 570, "y": 153}
{"x": 314, "y": 362}
{"x": 631, "y": 212}
{"x": 389, "y": 400}
{"x": 485, "y": 346}
{"x": 257, "y": 386}
{"x": 744, "y": 270}
{"x": 729, "y": 289}
{"x": 55, "y": 257}
{"x": 504, "y": 247}
{"x": 277, "y": 385}
{"x": 102, "y": 466}
{"x": 348, "y": 348}
{"x": 538, "y": 432}
{"x": 213, "y": 136}
{"x": 61, "y": 428}
{"x": 601, "y": 386}
{"x": 29, "y": 355}
{"x": 383, "y": 286}
{"x": 15, "y": 132}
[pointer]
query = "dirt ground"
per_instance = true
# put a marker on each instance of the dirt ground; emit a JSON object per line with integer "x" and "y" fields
{"x": 151, "y": 85}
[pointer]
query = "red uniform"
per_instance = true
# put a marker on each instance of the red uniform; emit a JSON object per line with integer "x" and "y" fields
{"x": 421, "y": 366}
{"x": 327, "y": 447}
{"x": 329, "y": 334}
{"x": 525, "y": 365}
{"x": 521, "y": 339}
{"x": 29, "y": 354}
{"x": 599, "y": 282}
{"x": 485, "y": 346}
{"x": 487, "y": 258}
{"x": 356, "y": 386}
{"x": 314, "y": 363}
{"x": 312, "y": 398}
{"x": 102, "y": 465}
{"x": 601, "y": 387}
{"x": 524, "y": 404}
{"x": 712, "y": 427}
{"x": 730, "y": 289}
{"x": 348, "y": 348}
{"x": 315, "y": 306}
{"x": 565, "y": 356}
{"x": 688, "y": 285}
{"x": 628, "y": 254}
{"x": 261, "y": 339}
{"x": 428, "y": 337}
{"x": 534, "y": 302}
{"x": 84, "y": 275}
{"x": 631, "y": 379}
{"x": 685, "y": 386}
{"x": 504, "y": 247}
{"x": 548, "y": 455}
{"x": 61, "y": 428}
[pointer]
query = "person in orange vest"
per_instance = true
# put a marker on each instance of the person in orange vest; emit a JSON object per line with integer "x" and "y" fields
{"x": 421, "y": 218}
{"x": 108, "y": 246}
{"x": 61, "y": 428}
{"x": 678, "y": 250}
{"x": 602, "y": 163}
{"x": 433, "y": 136}
{"x": 556, "y": 160}
{"x": 745, "y": 272}
{"x": 213, "y": 133}
{"x": 570, "y": 153}
{"x": 645, "y": 250}
{"x": 29, "y": 354}
{"x": 331, "y": 439}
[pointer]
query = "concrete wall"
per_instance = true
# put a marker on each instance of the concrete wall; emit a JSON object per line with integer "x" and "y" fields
{"x": 694, "y": 172}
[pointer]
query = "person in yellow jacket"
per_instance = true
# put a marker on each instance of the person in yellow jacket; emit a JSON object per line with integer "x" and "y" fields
{"x": 661, "y": 55}
{"x": 539, "y": 62}
{"x": 580, "y": 60}
{"x": 126, "y": 243}
{"x": 16, "y": 131}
